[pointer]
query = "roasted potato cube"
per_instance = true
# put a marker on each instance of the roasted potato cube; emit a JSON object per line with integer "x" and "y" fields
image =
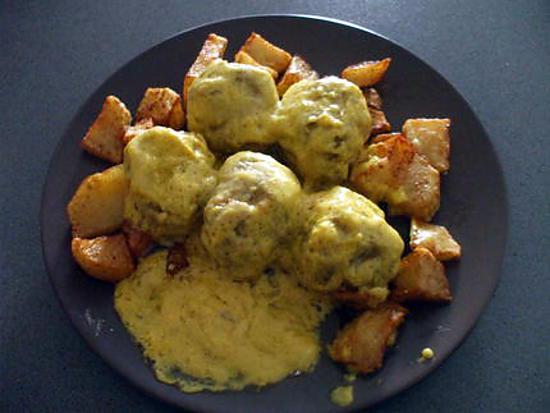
{"x": 366, "y": 74}
{"x": 97, "y": 206}
{"x": 246, "y": 59}
{"x": 176, "y": 120}
{"x": 430, "y": 138}
{"x": 361, "y": 344}
{"x": 104, "y": 138}
{"x": 362, "y": 299}
{"x": 106, "y": 258}
{"x": 297, "y": 70}
{"x": 421, "y": 277}
{"x": 384, "y": 136}
{"x": 421, "y": 186}
{"x": 213, "y": 48}
{"x": 265, "y": 53}
{"x": 137, "y": 129}
{"x": 381, "y": 166}
{"x": 379, "y": 122}
{"x": 393, "y": 172}
{"x": 374, "y": 100}
{"x": 177, "y": 259}
{"x": 434, "y": 238}
{"x": 139, "y": 242}
{"x": 163, "y": 106}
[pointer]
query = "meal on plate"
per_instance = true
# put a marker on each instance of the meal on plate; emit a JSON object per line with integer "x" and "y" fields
{"x": 237, "y": 215}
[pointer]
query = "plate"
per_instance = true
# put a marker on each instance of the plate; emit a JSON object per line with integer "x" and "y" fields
{"x": 473, "y": 207}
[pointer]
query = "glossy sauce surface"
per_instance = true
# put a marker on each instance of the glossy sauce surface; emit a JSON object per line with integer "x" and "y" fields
{"x": 250, "y": 214}
{"x": 171, "y": 177}
{"x": 322, "y": 125}
{"x": 231, "y": 105}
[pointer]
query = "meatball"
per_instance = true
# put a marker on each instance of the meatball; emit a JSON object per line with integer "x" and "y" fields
{"x": 344, "y": 239}
{"x": 322, "y": 125}
{"x": 231, "y": 104}
{"x": 249, "y": 214}
{"x": 171, "y": 178}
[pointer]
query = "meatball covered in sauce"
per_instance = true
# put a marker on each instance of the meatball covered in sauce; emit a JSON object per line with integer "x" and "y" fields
{"x": 322, "y": 125}
{"x": 344, "y": 240}
{"x": 249, "y": 214}
{"x": 171, "y": 178}
{"x": 231, "y": 104}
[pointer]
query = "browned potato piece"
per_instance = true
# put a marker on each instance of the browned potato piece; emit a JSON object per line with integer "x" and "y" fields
{"x": 384, "y": 136}
{"x": 297, "y": 70}
{"x": 374, "y": 100}
{"x": 391, "y": 171}
{"x": 362, "y": 299}
{"x": 97, "y": 206}
{"x": 265, "y": 53}
{"x": 137, "y": 129}
{"x": 421, "y": 186}
{"x": 138, "y": 241}
{"x": 421, "y": 277}
{"x": 177, "y": 259}
{"x": 366, "y": 74}
{"x": 361, "y": 344}
{"x": 213, "y": 48}
{"x": 379, "y": 122}
{"x": 380, "y": 166}
{"x": 246, "y": 59}
{"x": 176, "y": 120}
{"x": 163, "y": 105}
{"x": 430, "y": 138}
{"x": 106, "y": 258}
{"x": 104, "y": 138}
{"x": 434, "y": 238}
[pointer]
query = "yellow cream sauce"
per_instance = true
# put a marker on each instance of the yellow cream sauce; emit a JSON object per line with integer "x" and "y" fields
{"x": 203, "y": 331}
{"x": 232, "y": 318}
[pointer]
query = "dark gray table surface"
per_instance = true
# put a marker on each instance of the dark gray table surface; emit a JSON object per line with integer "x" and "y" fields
{"x": 54, "y": 54}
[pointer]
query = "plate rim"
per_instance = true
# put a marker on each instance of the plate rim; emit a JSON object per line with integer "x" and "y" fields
{"x": 502, "y": 252}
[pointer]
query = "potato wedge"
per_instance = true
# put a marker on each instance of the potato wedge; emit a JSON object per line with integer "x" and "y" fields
{"x": 391, "y": 171}
{"x": 421, "y": 277}
{"x": 97, "y": 206}
{"x": 104, "y": 138}
{"x": 163, "y": 106}
{"x": 379, "y": 122}
{"x": 366, "y": 74}
{"x": 434, "y": 238}
{"x": 177, "y": 259}
{"x": 139, "y": 242}
{"x": 265, "y": 53}
{"x": 361, "y": 344}
{"x": 137, "y": 129}
{"x": 298, "y": 69}
{"x": 106, "y": 258}
{"x": 362, "y": 299}
{"x": 430, "y": 138}
{"x": 374, "y": 100}
{"x": 246, "y": 59}
{"x": 213, "y": 48}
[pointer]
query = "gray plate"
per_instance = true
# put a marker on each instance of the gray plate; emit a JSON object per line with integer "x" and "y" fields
{"x": 474, "y": 208}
